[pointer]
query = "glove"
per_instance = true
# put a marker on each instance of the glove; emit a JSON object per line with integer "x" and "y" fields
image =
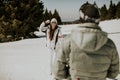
{"x": 47, "y": 22}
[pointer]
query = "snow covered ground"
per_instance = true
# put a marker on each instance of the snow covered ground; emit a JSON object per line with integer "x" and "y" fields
{"x": 29, "y": 60}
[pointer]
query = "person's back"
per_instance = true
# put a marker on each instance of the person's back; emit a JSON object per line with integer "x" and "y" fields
{"x": 89, "y": 54}
{"x": 93, "y": 55}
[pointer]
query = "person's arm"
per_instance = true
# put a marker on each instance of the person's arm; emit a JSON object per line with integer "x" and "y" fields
{"x": 44, "y": 26}
{"x": 114, "y": 67}
{"x": 60, "y": 70}
{"x": 60, "y": 37}
{"x": 60, "y": 34}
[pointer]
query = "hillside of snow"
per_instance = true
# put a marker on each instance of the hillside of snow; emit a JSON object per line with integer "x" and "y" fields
{"x": 28, "y": 59}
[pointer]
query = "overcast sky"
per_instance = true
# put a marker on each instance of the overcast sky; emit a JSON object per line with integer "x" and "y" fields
{"x": 69, "y": 9}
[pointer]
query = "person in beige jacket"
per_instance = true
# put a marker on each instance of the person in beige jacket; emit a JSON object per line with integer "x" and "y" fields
{"x": 87, "y": 53}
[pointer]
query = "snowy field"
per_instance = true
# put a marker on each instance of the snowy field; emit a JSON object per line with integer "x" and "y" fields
{"x": 29, "y": 60}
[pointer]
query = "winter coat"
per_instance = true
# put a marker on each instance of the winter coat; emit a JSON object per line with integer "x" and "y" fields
{"x": 56, "y": 38}
{"x": 88, "y": 54}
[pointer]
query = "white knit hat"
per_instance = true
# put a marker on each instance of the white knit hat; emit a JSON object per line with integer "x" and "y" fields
{"x": 53, "y": 20}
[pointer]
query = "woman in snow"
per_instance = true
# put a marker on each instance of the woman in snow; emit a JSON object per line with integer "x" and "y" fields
{"x": 53, "y": 37}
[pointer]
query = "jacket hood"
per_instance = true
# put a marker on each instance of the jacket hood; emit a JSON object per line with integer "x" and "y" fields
{"x": 89, "y": 37}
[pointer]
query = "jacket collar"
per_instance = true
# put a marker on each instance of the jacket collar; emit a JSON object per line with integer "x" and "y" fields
{"x": 88, "y": 25}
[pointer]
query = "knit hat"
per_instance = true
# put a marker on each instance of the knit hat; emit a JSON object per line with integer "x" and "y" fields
{"x": 89, "y": 13}
{"x": 53, "y": 20}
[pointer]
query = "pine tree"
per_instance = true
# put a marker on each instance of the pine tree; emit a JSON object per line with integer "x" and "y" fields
{"x": 103, "y": 12}
{"x": 114, "y": 11}
{"x": 1, "y": 2}
{"x": 111, "y": 11}
{"x": 46, "y": 14}
{"x": 21, "y": 17}
{"x": 56, "y": 15}
{"x": 118, "y": 10}
{"x": 50, "y": 15}
{"x": 1, "y": 31}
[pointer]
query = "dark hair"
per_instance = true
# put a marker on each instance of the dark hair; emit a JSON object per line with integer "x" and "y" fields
{"x": 51, "y": 32}
{"x": 90, "y": 10}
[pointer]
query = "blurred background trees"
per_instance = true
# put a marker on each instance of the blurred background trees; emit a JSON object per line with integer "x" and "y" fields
{"x": 113, "y": 12}
{"x": 20, "y": 18}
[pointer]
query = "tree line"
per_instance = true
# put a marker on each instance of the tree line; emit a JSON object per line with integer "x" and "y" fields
{"x": 20, "y": 18}
{"x": 113, "y": 12}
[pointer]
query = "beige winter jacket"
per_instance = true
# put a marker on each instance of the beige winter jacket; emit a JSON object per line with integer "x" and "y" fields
{"x": 88, "y": 54}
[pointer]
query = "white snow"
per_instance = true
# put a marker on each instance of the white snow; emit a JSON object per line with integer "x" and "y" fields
{"x": 29, "y": 60}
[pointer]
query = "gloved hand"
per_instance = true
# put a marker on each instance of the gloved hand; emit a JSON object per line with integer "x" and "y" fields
{"x": 47, "y": 22}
